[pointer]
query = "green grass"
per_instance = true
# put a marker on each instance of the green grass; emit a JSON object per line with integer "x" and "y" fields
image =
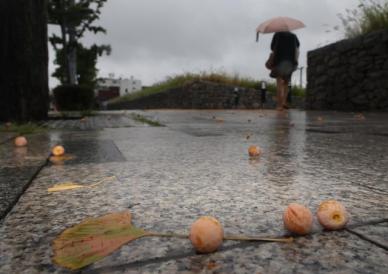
{"x": 23, "y": 129}
{"x": 145, "y": 120}
{"x": 369, "y": 16}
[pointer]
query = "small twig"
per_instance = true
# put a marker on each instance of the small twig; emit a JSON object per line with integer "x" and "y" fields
{"x": 167, "y": 235}
{"x": 102, "y": 181}
{"x": 229, "y": 237}
{"x": 244, "y": 238}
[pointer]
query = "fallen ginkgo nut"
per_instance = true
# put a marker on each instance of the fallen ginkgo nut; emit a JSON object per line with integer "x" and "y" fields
{"x": 298, "y": 219}
{"x": 254, "y": 151}
{"x": 332, "y": 215}
{"x": 20, "y": 141}
{"x": 206, "y": 234}
{"x": 58, "y": 151}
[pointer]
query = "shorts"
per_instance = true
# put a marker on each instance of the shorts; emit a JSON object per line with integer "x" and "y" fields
{"x": 283, "y": 70}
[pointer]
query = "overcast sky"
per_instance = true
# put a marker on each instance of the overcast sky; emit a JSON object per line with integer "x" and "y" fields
{"x": 153, "y": 39}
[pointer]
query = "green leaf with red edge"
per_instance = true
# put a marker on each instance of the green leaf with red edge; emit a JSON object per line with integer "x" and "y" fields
{"x": 94, "y": 239}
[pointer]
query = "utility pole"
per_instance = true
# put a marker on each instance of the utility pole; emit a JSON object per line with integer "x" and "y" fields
{"x": 300, "y": 76}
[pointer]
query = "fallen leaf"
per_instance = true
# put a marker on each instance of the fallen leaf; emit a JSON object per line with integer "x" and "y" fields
{"x": 93, "y": 239}
{"x": 64, "y": 186}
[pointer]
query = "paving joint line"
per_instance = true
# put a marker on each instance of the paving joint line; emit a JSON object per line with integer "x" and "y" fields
{"x": 366, "y": 238}
{"x": 11, "y": 206}
{"x": 372, "y": 222}
{"x": 373, "y": 189}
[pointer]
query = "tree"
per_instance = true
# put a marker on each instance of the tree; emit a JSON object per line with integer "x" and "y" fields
{"x": 86, "y": 64}
{"x": 23, "y": 60}
{"x": 75, "y": 18}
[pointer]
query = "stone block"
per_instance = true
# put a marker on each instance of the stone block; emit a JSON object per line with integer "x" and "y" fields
{"x": 360, "y": 99}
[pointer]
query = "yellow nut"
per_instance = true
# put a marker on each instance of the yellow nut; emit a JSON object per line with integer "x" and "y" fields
{"x": 254, "y": 151}
{"x": 332, "y": 215}
{"x": 298, "y": 219}
{"x": 206, "y": 234}
{"x": 58, "y": 151}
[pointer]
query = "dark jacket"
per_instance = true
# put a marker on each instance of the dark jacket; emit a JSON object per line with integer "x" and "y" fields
{"x": 284, "y": 45}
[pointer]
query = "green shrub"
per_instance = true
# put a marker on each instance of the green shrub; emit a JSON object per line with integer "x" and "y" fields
{"x": 369, "y": 16}
{"x": 298, "y": 91}
{"x": 72, "y": 97}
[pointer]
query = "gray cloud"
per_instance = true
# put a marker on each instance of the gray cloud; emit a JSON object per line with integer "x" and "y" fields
{"x": 152, "y": 39}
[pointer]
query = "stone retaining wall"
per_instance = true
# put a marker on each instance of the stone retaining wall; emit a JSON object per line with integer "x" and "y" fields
{"x": 203, "y": 95}
{"x": 197, "y": 95}
{"x": 350, "y": 75}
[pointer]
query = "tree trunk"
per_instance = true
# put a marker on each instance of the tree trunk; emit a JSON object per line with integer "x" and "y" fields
{"x": 64, "y": 48}
{"x": 72, "y": 53}
{"x": 23, "y": 60}
{"x": 72, "y": 57}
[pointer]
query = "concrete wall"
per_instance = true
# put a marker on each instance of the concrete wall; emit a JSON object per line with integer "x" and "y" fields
{"x": 350, "y": 75}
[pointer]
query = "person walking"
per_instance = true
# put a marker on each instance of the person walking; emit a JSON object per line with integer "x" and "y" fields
{"x": 283, "y": 62}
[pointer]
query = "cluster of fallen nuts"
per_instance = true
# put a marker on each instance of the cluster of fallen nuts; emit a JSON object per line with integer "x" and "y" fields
{"x": 207, "y": 234}
{"x": 331, "y": 215}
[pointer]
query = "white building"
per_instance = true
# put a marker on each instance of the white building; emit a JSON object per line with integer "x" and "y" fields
{"x": 124, "y": 85}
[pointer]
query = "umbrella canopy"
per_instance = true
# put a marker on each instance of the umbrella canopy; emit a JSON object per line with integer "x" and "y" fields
{"x": 279, "y": 24}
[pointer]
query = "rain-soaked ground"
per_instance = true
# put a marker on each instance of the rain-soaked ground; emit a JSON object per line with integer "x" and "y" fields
{"x": 197, "y": 164}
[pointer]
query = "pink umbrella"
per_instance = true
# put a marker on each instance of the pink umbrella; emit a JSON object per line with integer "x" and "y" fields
{"x": 279, "y": 24}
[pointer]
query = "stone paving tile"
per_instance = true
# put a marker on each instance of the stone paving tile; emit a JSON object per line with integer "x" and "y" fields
{"x": 37, "y": 151}
{"x": 13, "y": 181}
{"x": 91, "y": 151}
{"x": 97, "y": 122}
{"x": 18, "y": 165}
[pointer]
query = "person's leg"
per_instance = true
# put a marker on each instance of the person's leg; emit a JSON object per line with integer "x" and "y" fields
{"x": 279, "y": 93}
{"x": 285, "y": 93}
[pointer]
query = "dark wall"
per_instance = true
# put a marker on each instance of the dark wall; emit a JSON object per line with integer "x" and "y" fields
{"x": 350, "y": 75}
{"x": 23, "y": 60}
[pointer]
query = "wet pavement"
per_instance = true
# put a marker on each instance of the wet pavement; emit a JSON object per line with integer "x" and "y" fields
{"x": 198, "y": 165}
